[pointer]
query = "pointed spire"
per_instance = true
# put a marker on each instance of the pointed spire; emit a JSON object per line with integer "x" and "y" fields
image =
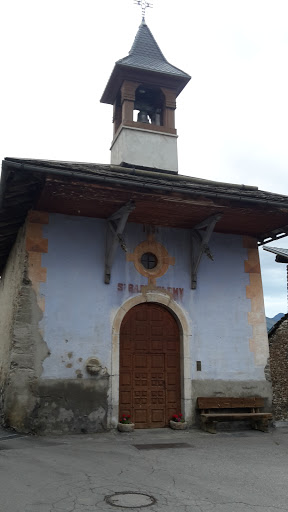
{"x": 145, "y": 44}
{"x": 146, "y": 54}
{"x": 145, "y": 60}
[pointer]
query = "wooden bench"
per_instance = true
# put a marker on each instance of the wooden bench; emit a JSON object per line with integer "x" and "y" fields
{"x": 213, "y": 409}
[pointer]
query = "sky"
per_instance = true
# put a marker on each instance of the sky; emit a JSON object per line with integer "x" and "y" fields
{"x": 57, "y": 55}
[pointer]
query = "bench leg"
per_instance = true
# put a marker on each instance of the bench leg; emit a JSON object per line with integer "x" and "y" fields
{"x": 209, "y": 426}
{"x": 260, "y": 425}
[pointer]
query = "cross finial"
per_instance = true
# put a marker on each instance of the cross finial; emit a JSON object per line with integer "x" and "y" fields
{"x": 143, "y": 4}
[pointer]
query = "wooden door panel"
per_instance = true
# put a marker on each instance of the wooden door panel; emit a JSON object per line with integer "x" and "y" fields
{"x": 140, "y": 417}
{"x": 171, "y": 346}
{"x": 157, "y": 380}
{"x": 140, "y": 361}
{"x": 140, "y": 331}
{"x": 157, "y": 346}
{"x": 140, "y": 397}
{"x": 158, "y": 397}
{"x": 172, "y": 396}
{"x": 125, "y": 379}
{"x": 157, "y": 361}
{"x": 172, "y": 379}
{"x": 125, "y": 400}
{"x": 126, "y": 344}
{"x": 157, "y": 331}
{"x": 126, "y": 360}
{"x": 141, "y": 314}
{"x": 140, "y": 345}
{"x": 156, "y": 314}
{"x": 158, "y": 416}
{"x": 140, "y": 379}
{"x": 172, "y": 361}
{"x": 149, "y": 366}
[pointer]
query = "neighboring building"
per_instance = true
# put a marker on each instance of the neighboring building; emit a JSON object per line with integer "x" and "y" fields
{"x": 278, "y": 347}
{"x": 109, "y": 303}
{"x": 281, "y": 254}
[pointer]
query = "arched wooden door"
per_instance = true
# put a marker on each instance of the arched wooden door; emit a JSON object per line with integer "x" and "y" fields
{"x": 149, "y": 366}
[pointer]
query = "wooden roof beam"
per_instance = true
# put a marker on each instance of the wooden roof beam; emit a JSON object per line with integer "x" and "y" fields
{"x": 115, "y": 228}
{"x": 200, "y": 244}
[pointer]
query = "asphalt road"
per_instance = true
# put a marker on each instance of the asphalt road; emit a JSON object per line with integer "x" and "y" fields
{"x": 188, "y": 471}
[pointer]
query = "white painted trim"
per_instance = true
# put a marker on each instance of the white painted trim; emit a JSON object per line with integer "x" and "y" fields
{"x": 185, "y": 361}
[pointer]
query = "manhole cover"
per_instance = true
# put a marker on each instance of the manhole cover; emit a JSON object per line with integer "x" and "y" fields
{"x": 130, "y": 500}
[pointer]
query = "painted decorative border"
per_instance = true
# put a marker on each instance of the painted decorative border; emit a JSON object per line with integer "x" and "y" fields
{"x": 161, "y": 253}
{"x": 36, "y": 245}
{"x": 254, "y": 292}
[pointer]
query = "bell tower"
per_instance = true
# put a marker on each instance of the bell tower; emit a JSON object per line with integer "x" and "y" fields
{"x": 143, "y": 88}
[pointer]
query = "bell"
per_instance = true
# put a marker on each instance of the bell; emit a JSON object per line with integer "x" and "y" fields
{"x": 142, "y": 117}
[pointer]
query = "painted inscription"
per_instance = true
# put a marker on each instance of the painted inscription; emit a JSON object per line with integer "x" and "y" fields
{"x": 136, "y": 288}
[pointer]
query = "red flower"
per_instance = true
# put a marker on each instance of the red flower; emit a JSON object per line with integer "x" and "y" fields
{"x": 177, "y": 417}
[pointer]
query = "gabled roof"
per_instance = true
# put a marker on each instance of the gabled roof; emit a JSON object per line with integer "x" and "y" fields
{"x": 145, "y": 62}
{"x": 161, "y": 198}
{"x": 146, "y": 54}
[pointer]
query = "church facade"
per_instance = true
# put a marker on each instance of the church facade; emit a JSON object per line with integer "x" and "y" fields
{"x": 128, "y": 288}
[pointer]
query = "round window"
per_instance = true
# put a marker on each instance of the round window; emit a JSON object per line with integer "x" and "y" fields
{"x": 149, "y": 260}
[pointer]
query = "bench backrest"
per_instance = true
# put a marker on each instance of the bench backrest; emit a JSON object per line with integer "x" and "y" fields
{"x": 229, "y": 402}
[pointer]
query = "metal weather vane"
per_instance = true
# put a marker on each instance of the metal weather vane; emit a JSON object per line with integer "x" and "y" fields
{"x": 144, "y": 5}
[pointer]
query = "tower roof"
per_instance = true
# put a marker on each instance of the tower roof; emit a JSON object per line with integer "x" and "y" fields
{"x": 145, "y": 61}
{"x": 146, "y": 54}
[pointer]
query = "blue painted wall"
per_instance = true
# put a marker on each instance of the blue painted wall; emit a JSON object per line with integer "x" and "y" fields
{"x": 80, "y": 307}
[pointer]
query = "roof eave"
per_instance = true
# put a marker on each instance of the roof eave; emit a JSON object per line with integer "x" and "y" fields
{"x": 32, "y": 178}
{"x": 17, "y": 164}
{"x": 121, "y": 72}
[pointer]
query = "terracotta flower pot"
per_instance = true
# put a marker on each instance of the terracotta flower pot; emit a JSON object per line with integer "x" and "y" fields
{"x": 178, "y": 425}
{"x": 125, "y": 427}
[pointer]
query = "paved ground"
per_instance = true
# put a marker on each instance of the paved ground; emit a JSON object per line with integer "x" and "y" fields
{"x": 227, "y": 472}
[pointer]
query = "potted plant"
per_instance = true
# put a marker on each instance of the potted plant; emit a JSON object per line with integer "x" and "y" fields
{"x": 177, "y": 422}
{"x": 125, "y": 424}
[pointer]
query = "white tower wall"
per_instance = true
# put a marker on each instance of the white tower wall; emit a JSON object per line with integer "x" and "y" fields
{"x": 141, "y": 147}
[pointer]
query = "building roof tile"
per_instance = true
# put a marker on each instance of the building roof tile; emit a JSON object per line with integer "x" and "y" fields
{"x": 146, "y": 54}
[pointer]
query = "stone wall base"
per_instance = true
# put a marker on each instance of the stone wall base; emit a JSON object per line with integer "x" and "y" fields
{"x": 62, "y": 406}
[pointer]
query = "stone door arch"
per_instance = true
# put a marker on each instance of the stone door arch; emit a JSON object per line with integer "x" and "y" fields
{"x": 185, "y": 361}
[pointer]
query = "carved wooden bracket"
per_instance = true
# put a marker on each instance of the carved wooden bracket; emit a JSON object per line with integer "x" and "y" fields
{"x": 115, "y": 227}
{"x": 200, "y": 244}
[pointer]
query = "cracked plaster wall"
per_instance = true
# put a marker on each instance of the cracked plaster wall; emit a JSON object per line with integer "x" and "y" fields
{"x": 27, "y": 348}
{"x": 10, "y": 285}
